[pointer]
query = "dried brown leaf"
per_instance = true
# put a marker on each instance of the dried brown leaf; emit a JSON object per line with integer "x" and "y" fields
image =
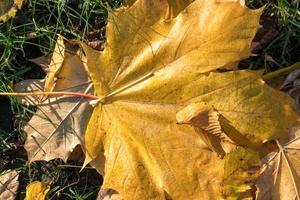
{"x": 9, "y": 185}
{"x": 280, "y": 176}
{"x": 57, "y": 127}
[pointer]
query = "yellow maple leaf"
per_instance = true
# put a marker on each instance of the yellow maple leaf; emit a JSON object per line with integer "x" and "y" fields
{"x": 37, "y": 191}
{"x": 8, "y": 9}
{"x": 151, "y": 69}
{"x": 156, "y": 74}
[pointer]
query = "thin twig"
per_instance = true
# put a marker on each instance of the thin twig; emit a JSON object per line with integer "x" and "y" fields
{"x": 76, "y": 94}
{"x": 281, "y": 72}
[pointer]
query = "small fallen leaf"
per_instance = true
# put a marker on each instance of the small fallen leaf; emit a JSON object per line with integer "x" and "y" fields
{"x": 8, "y": 9}
{"x": 55, "y": 65}
{"x": 239, "y": 97}
{"x": 280, "y": 177}
{"x": 57, "y": 127}
{"x": 37, "y": 191}
{"x": 9, "y": 185}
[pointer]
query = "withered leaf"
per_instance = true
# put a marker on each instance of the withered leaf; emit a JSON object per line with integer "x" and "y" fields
{"x": 240, "y": 98}
{"x": 280, "y": 176}
{"x": 150, "y": 69}
{"x": 9, "y": 185}
{"x": 57, "y": 127}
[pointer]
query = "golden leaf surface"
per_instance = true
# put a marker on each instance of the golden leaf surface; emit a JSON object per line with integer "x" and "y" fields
{"x": 151, "y": 69}
{"x": 37, "y": 191}
{"x": 8, "y": 9}
{"x": 241, "y": 169}
{"x": 9, "y": 185}
{"x": 280, "y": 177}
{"x": 60, "y": 121}
{"x": 150, "y": 44}
{"x": 240, "y": 98}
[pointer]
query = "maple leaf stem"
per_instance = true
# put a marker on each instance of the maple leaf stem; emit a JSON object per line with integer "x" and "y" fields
{"x": 102, "y": 99}
{"x": 281, "y": 72}
{"x": 76, "y": 94}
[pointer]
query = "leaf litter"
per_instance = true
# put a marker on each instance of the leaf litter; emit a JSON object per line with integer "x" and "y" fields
{"x": 57, "y": 127}
{"x": 9, "y": 185}
{"x": 161, "y": 105}
{"x": 280, "y": 174}
{"x": 157, "y": 73}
